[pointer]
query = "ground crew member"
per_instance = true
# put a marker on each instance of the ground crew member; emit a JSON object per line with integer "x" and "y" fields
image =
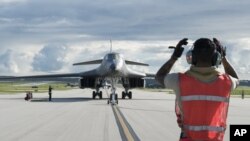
{"x": 50, "y": 93}
{"x": 27, "y": 96}
{"x": 242, "y": 94}
{"x": 202, "y": 92}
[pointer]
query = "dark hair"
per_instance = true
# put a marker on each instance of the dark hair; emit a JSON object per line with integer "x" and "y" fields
{"x": 203, "y": 50}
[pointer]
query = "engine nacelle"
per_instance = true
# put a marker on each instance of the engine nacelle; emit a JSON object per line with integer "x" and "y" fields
{"x": 87, "y": 82}
{"x": 136, "y": 82}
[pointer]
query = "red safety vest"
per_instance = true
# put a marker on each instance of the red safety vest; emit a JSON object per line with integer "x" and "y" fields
{"x": 204, "y": 107}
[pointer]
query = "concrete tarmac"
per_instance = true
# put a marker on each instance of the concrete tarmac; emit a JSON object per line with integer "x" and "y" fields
{"x": 73, "y": 115}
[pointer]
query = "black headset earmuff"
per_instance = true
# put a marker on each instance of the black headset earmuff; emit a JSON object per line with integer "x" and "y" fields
{"x": 191, "y": 57}
{"x": 216, "y": 59}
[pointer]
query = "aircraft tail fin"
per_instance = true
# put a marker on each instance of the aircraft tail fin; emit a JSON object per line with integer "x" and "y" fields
{"x": 135, "y": 63}
{"x": 89, "y": 62}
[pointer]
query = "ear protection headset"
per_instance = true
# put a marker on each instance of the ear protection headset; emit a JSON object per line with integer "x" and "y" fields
{"x": 192, "y": 59}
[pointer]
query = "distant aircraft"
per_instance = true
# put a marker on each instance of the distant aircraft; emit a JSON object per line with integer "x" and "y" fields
{"x": 113, "y": 68}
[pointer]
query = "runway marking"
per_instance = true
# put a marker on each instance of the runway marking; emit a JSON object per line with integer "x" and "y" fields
{"x": 126, "y": 131}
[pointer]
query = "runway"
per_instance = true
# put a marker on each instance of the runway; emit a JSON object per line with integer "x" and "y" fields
{"x": 73, "y": 115}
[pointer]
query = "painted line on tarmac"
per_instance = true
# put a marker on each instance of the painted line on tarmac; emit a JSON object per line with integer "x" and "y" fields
{"x": 126, "y": 131}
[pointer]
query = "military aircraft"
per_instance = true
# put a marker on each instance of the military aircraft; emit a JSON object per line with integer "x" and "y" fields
{"x": 113, "y": 68}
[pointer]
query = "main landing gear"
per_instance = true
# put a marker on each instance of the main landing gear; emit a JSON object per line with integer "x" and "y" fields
{"x": 126, "y": 93}
{"x": 95, "y": 93}
{"x": 126, "y": 85}
{"x": 98, "y": 92}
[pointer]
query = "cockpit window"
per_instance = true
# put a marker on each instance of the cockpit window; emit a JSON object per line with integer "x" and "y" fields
{"x": 112, "y": 57}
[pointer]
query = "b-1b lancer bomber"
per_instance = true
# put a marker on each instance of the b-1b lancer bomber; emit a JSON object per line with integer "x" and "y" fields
{"x": 113, "y": 69}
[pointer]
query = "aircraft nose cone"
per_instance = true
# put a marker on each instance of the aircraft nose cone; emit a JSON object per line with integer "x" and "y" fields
{"x": 113, "y": 67}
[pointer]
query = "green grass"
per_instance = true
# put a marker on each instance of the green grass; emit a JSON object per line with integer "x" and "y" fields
{"x": 20, "y": 87}
{"x": 240, "y": 89}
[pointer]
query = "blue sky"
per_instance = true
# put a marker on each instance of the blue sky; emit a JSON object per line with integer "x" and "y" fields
{"x": 43, "y": 36}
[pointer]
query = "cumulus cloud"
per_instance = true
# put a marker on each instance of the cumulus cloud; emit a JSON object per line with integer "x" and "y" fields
{"x": 50, "y": 58}
{"x": 60, "y": 57}
{"x": 238, "y": 52}
{"x": 7, "y": 64}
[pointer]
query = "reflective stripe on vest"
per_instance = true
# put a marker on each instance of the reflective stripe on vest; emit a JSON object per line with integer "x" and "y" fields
{"x": 205, "y": 128}
{"x": 205, "y": 97}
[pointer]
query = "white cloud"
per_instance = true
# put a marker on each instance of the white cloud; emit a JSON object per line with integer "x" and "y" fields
{"x": 60, "y": 57}
{"x": 7, "y": 64}
{"x": 50, "y": 58}
{"x": 239, "y": 56}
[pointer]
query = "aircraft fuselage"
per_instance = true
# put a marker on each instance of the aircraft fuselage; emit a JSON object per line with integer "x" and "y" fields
{"x": 113, "y": 65}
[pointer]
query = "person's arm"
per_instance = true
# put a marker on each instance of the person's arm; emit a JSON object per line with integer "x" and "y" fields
{"x": 228, "y": 68}
{"x": 165, "y": 69}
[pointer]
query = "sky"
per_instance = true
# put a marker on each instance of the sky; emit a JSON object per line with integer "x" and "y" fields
{"x": 44, "y": 36}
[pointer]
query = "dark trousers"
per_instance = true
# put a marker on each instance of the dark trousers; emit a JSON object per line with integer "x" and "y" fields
{"x": 50, "y": 96}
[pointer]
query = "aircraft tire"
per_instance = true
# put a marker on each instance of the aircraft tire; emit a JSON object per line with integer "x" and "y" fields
{"x": 110, "y": 97}
{"x": 93, "y": 95}
{"x": 123, "y": 95}
{"x": 116, "y": 97}
{"x": 100, "y": 94}
{"x": 130, "y": 95}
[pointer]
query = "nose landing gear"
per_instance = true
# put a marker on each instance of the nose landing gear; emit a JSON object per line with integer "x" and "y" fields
{"x": 113, "y": 99}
